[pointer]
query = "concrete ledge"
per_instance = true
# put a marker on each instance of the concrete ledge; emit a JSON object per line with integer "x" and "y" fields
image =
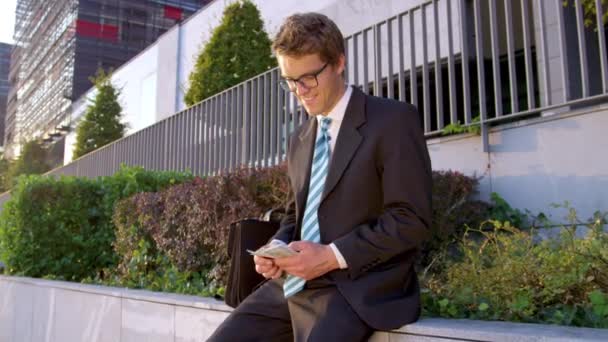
{"x": 44, "y": 310}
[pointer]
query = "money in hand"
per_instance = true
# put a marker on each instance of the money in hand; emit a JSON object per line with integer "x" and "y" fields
{"x": 274, "y": 249}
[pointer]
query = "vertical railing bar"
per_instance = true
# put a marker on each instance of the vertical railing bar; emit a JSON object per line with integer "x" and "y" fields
{"x": 233, "y": 128}
{"x": 221, "y": 133}
{"x": 259, "y": 122}
{"x": 190, "y": 143}
{"x": 195, "y": 141}
{"x": 544, "y": 53}
{"x": 205, "y": 141}
{"x": 214, "y": 135}
{"x": 528, "y": 54}
{"x": 390, "y": 87}
{"x": 165, "y": 161}
{"x": 223, "y": 130}
{"x": 495, "y": 59}
{"x": 563, "y": 52}
{"x": 281, "y": 121}
{"x": 426, "y": 96}
{"x": 582, "y": 47}
{"x": 401, "y": 58}
{"x": 377, "y": 60}
{"x": 480, "y": 75}
{"x": 239, "y": 125}
{"x": 511, "y": 57}
{"x": 451, "y": 71}
{"x": 438, "y": 76}
{"x": 170, "y": 144}
{"x": 247, "y": 98}
{"x": 365, "y": 61}
{"x": 270, "y": 122}
{"x": 413, "y": 66}
{"x": 273, "y": 116}
{"x": 602, "y": 43}
{"x": 228, "y": 130}
{"x": 355, "y": 60}
{"x": 464, "y": 53}
{"x": 346, "y": 59}
{"x": 181, "y": 140}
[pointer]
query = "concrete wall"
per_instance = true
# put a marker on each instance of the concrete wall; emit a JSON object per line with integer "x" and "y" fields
{"x": 33, "y": 310}
{"x": 536, "y": 162}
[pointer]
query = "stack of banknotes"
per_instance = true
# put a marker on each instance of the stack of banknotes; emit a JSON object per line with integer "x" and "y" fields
{"x": 273, "y": 249}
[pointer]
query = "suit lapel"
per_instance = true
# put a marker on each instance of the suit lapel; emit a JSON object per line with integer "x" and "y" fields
{"x": 302, "y": 160}
{"x": 347, "y": 144}
{"x": 348, "y": 141}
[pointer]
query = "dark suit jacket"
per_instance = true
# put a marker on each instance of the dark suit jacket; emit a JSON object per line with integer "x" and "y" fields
{"x": 376, "y": 205}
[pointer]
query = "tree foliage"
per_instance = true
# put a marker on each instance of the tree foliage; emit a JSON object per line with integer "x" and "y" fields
{"x": 101, "y": 124}
{"x": 239, "y": 49}
{"x": 31, "y": 161}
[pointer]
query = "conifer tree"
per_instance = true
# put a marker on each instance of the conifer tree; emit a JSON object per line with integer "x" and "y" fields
{"x": 101, "y": 124}
{"x": 238, "y": 49}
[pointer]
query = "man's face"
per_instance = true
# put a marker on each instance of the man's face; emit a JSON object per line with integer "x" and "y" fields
{"x": 330, "y": 85}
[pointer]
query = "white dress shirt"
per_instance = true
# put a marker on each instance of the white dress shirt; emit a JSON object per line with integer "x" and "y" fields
{"x": 337, "y": 116}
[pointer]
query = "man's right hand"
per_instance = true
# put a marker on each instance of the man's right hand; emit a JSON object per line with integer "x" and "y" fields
{"x": 266, "y": 267}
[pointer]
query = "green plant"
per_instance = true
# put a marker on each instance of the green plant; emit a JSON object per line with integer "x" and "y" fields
{"x": 188, "y": 223}
{"x": 5, "y": 165}
{"x": 590, "y": 11}
{"x": 239, "y": 49}
{"x": 503, "y": 274}
{"x": 458, "y": 128}
{"x": 31, "y": 161}
{"x": 101, "y": 124}
{"x": 62, "y": 227}
{"x": 454, "y": 207}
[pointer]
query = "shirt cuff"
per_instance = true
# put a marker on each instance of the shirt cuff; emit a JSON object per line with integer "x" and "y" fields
{"x": 339, "y": 256}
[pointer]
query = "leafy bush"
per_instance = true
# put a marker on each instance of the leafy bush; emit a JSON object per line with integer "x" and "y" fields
{"x": 454, "y": 207}
{"x": 188, "y": 223}
{"x": 62, "y": 227}
{"x": 503, "y": 274}
{"x": 239, "y": 49}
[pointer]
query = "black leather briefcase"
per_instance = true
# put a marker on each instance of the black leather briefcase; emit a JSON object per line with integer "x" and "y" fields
{"x": 247, "y": 234}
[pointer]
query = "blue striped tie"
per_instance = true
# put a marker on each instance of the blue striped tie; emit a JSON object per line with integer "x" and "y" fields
{"x": 310, "y": 223}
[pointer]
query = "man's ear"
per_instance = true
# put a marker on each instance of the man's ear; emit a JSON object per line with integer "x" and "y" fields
{"x": 341, "y": 64}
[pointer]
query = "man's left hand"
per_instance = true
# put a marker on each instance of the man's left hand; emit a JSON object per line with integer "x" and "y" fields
{"x": 312, "y": 261}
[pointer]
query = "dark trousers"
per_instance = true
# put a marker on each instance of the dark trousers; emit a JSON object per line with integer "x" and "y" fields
{"x": 317, "y": 313}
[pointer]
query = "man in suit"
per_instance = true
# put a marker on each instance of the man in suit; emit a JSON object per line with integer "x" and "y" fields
{"x": 361, "y": 178}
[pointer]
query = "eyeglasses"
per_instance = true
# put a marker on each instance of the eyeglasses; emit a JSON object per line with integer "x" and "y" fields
{"x": 307, "y": 81}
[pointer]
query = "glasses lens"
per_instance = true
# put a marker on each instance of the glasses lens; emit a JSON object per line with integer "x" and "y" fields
{"x": 309, "y": 81}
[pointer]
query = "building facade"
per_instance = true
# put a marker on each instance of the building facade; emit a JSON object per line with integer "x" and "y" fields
{"x": 5, "y": 60}
{"x": 60, "y": 44}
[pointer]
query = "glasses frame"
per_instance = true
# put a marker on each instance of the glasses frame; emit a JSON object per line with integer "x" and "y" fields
{"x": 286, "y": 82}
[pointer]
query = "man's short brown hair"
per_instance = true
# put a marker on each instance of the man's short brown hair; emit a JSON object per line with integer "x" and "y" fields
{"x": 308, "y": 33}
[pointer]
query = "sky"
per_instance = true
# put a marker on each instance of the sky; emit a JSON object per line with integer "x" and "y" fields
{"x": 7, "y": 20}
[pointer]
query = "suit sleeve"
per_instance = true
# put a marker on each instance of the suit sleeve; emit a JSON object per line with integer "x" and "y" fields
{"x": 288, "y": 223}
{"x": 406, "y": 180}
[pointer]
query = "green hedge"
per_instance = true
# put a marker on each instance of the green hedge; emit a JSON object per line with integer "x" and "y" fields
{"x": 62, "y": 228}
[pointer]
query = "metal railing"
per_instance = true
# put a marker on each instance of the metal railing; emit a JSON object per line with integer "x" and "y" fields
{"x": 454, "y": 59}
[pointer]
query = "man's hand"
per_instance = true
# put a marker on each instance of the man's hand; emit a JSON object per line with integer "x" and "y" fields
{"x": 312, "y": 261}
{"x": 266, "y": 267}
